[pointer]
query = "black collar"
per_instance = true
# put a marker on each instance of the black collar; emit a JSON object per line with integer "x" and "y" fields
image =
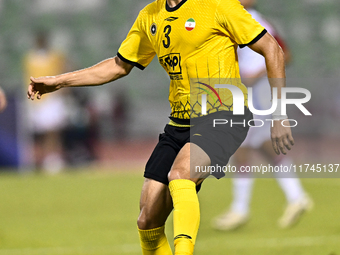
{"x": 172, "y": 9}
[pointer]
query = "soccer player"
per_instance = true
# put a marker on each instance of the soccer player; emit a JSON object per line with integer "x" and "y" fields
{"x": 47, "y": 118}
{"x": 3, "y": 100}
{"x": 192, "y": 39}
{"x": 253, "y": 71}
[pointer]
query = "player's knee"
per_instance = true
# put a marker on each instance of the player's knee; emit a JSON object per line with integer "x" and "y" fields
{"x": 187, "y": 174}
{"x": 176, "y": 173}
{"x": 142, "y": 223}
{"x": 145, "y": 221}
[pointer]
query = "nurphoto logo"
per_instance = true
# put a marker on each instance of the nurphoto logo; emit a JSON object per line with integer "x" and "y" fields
{"x": 238, "y": 100}
{"x": 278, "y": 107}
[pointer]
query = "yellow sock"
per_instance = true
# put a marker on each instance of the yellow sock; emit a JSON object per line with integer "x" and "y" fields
{"x": 154, "y": 242}
{"x": 186, "y": 215}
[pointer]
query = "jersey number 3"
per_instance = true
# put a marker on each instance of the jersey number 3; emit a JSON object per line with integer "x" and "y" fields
{"x": 166, "y": 42}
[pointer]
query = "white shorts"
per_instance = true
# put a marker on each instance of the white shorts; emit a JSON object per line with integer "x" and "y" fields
{"x": 257, "y": 135}
{"x": 48, "y": 114}
{"x": 262, "y": 101}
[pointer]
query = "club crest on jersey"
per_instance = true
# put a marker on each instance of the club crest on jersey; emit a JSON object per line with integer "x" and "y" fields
{"x": 190, "y": 24}
{"x": 153, "y": 29}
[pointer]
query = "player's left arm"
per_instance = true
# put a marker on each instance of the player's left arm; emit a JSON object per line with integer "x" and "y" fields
{"x": 268, "y": 47}
{"x": 284, "y": 46}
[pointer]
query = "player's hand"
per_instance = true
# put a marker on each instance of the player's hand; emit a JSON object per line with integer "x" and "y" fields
{"x": 282, "y": 138}
{"x": 3, "y": 101}
{"x": 42, "y": 85}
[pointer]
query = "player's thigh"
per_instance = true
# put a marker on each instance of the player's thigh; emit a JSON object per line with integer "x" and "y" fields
{"x": 188, "y": 158}
{"x": 155, "y": 204}
{"x": 165, "y": 152}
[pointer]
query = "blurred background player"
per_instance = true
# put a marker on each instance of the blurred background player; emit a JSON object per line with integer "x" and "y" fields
{"x": 47, "y": 117}
{"x": 3, "y": 100}
{"x": 253, "y": 73}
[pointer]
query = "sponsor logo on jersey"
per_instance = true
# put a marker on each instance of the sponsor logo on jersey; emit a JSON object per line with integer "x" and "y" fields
{"x": 153, "y": 28}
{"x": 190, "y": 24}
{"x": 172, "y": 64}
{"x": 171, "y": 19}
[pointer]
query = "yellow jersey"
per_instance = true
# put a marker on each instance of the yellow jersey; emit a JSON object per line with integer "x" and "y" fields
{"x": 194, "y": 41}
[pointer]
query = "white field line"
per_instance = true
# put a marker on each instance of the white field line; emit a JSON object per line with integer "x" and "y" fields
{"x": 202, "y": 245}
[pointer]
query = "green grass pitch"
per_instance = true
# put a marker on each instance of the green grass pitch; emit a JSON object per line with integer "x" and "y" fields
{"x": 94, "y": 213}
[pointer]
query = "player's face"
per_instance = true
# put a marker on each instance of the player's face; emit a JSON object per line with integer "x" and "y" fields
{"x": 248, "y": 3}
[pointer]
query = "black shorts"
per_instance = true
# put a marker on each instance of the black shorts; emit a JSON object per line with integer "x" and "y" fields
{"x": 219, "y": 142}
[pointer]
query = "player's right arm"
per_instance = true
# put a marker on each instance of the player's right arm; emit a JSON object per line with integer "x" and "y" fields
{"x": 106, "y": 71}
{"x": 135, "y": 50}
